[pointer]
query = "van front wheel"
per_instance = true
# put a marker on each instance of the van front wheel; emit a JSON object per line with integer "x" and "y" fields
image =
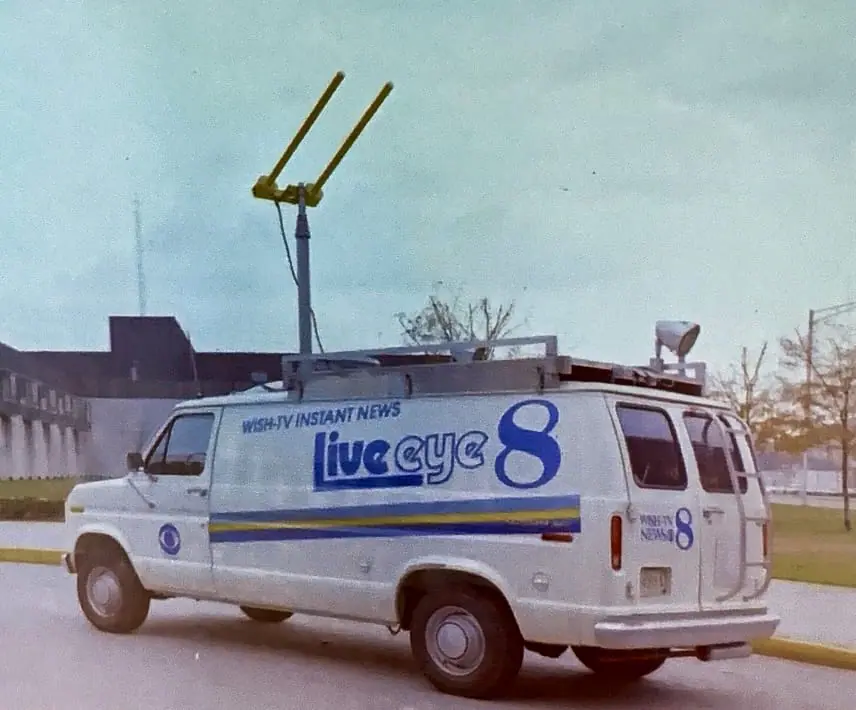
{"x": 466, "y": 643}
{"x": 266, "y": 616}
{"x": 110, "y": 593}
{"x": 620, "y": 666}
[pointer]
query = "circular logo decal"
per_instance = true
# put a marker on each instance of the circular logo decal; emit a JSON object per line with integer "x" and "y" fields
{"x": 169, "y": 539}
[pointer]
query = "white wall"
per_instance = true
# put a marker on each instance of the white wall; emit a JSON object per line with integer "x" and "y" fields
{"x": 29, "y": 449}
{"x": 120, "y": 426}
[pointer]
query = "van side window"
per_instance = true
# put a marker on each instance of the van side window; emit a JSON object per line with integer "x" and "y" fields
{"x": 655, "y": 457}
{"x": 182, "y": 448}
{"x": 709, "y": 450}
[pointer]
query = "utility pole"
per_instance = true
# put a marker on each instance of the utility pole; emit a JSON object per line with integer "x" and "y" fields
{"x": 141, "y": 277}
{"x": 809, "y": 363}
{"x": 813, "y": 320}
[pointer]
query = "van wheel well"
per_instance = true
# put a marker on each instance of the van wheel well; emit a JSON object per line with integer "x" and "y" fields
{"x": 91, "y": 545}
{"x": 422, "y": 582}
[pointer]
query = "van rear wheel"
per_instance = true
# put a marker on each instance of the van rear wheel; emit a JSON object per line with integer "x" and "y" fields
{"x": 619, "y": 665}
{"x": 266, "y": 616}
{"x": 466, "y": 643}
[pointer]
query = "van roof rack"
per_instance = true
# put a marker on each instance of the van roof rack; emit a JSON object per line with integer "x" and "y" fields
{"x": 468, "y": 369}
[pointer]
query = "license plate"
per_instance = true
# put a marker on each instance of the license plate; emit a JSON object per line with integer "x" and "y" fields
{"x": 655, "y": 581}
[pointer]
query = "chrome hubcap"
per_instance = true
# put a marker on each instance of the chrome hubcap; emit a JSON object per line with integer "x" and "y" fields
{"x": 103, "y": 591}
{"x": 455, "y": 641}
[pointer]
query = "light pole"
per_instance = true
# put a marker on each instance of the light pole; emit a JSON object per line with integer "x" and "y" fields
{"x": 830, "y": 312}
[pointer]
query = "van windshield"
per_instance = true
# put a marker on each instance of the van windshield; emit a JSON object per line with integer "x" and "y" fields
{"x": 709, "y": 449}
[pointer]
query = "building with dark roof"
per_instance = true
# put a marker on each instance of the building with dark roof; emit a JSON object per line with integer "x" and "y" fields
{"x": 43, "y": 424}
{"x": 72, "y": 412}
{"x": 152, "y": 357}
{"x": 80, "y": 412}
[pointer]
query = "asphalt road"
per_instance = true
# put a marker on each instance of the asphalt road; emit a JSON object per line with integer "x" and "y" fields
{"x": 192, "y": 656}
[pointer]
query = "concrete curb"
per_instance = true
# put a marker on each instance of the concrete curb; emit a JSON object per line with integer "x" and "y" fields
{"x": 787, "y": 649}
{"x": 24, "y": 555}
{"x": 804, "y": 652}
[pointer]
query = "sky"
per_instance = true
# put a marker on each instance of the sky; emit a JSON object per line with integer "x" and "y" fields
{"x": 602, "y": 164}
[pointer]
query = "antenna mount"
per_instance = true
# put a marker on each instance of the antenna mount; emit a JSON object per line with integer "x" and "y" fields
{"x": 310, "y": 194}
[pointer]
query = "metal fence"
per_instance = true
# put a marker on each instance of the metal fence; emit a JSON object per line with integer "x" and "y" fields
{"x": 808, "y": 482}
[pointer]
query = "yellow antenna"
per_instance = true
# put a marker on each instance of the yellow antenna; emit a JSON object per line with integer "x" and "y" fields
{"x": 309, "y": 195}
{"x": 266, "y": 187}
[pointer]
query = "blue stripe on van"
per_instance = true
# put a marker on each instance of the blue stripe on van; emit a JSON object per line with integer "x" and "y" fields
{"x": 490, "y": 516}
{"x": 478, "y": 505}
{"x": 571, "y": 525}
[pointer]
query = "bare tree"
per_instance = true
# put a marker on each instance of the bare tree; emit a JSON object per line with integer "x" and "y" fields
{"x": 450, "y": 319}
{"x": 832, "y": 395}
{"x": 759, "y": 401}
{"x": 742, "y": 390}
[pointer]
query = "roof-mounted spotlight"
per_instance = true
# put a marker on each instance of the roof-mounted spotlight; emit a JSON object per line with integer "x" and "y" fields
{"x": 679, "y": 337}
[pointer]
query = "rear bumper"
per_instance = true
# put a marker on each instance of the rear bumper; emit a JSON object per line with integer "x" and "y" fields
{"x": 683, "y": 630}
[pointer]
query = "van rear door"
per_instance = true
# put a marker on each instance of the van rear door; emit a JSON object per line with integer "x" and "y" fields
{"x": 661, "y": 547}
{"x": 717, "y": 439}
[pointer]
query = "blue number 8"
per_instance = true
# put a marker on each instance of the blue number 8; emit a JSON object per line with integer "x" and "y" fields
{"x": 537, "y": 443}
{"x": 684, "y": 524}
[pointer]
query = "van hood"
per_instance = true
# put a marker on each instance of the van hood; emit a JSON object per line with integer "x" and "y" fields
{"x": 112, "y": 494}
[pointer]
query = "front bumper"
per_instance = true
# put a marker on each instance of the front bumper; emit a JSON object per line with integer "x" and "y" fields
{"x": 68, "y": 563}
{"x": 683, "y": 630}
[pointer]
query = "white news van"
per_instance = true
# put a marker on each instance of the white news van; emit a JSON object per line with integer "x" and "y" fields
{"x": 486, "y": 507}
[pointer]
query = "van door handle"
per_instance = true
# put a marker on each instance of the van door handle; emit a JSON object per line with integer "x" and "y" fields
{"x": 713, "y": 510}
{"x": 197, "y": 491}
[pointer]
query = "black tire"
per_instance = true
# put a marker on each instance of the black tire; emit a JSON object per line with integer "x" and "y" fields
{"x": 620, "y": 666}
{"x": 493, "y": 670}
{"x": 110, "y": 593}
{"x": 548, "y": 650}
{"x": 266, "y": 616}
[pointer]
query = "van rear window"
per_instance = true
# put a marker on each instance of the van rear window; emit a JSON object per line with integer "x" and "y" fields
{"x": 710, "y": 452}
{"x": 743, "y": 433}
{"x": 655, "y": 457}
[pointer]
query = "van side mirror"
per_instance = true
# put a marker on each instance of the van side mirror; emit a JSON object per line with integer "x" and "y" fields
{"x": 135, "y": 461}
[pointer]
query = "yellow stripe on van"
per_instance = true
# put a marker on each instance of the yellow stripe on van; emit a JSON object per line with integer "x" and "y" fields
{"x": 516, "y": 516}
